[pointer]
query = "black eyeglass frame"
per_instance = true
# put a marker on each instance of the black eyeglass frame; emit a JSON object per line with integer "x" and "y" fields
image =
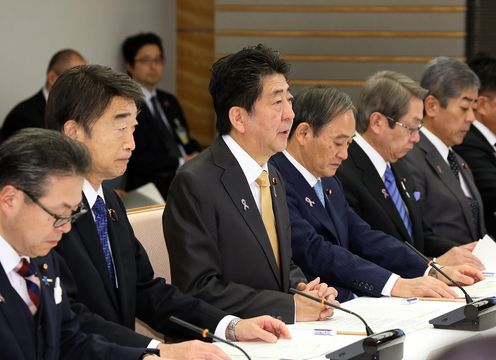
{"x": 59, "y": 220}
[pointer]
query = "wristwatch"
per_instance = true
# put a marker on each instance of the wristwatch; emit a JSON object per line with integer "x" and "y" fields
{"x": 231, "y": 333}
{"x": 149, "y": 352}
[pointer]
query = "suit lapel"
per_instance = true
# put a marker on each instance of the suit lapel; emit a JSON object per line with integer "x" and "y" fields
{"x": 377, "y": 188}
{"x": 443, "y": 171}
{"x": 86, "y": 231}
{"x": 15, "y": 314}
{"x": 241, "y": 196}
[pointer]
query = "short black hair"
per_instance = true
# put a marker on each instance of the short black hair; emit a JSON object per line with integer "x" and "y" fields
{"x": 84, "y": 92}
{"x": 133, "y": 44}
{"x": 237, "y": 80}
{"x": 484, "y": 65}
{"x": 32, "y": 155}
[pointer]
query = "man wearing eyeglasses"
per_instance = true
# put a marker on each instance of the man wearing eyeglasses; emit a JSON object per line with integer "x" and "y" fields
{"x": 105, "y": 268}
{"x": 328, "y": 238}
{"x": 452, "y": 203}
{"x": 378, "y": 186}
{"x": 163, "y": 141}
{"x": 41, "y": 175}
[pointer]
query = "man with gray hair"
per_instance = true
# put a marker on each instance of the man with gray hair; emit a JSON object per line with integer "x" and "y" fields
{"x": 328, "y": 238}
{"x": 378, "y": 186}
{"x": 31, "y": 112}
{"x": 452, "y": 203}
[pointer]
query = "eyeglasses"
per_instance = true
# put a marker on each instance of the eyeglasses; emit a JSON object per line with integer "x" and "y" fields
{"x": 410, "y": 129}
{"x": 148, "y": 61}
{"x": 59, "y": 220}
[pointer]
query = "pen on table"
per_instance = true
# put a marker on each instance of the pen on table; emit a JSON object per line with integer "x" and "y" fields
{"x": 344, "y": 332}
{"x": 488, "y": 273}
{"x": 441, "y": 299}
{"x": 411, "y": 300}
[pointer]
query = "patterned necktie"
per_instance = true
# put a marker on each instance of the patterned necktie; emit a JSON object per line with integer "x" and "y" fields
{"x": 454, "y": 165}
{"x": 25, "y": 269}
{"x": 267, "y": 212}
{"x": 319, "y": 191}
{"x": 392, "y": 189}
{"x": 100, "y": 211}
{"x": 474, "y": 204}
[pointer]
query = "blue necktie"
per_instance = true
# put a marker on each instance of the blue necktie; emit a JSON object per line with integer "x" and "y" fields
{"x": 25, "y": 269}
{"x": 100, "y": 212}
{"x": 319, "y": 191}
{"x": 392, "y": 189}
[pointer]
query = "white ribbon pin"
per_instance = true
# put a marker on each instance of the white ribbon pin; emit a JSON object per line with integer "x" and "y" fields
{"x": 309, "y": 201}
{"x": 385, "y": 193}
{"x": 245, "y": 205}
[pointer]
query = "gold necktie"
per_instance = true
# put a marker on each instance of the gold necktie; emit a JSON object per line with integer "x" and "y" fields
{"x": 267, "y": 212}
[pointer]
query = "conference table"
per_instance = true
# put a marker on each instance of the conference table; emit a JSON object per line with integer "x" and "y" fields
{"x": 312, "y": 340}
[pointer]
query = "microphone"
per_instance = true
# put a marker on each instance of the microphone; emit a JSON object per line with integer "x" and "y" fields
{"x": 384, "y": 345}
{"x": 205, "y": 333}
{"x": 474, "y": 316}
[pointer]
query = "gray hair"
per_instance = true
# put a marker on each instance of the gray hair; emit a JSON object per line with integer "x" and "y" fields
{"x": 318, "y": 105}
{"x": 446, "y": 78}
{"x": 389, "y": 93}
{"x": 32, "y": 155}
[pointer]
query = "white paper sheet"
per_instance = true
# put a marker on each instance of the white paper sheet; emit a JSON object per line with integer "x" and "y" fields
{"x": 485, "y": 250}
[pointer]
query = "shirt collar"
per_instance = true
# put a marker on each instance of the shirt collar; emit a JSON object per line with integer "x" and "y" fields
{"x": 91, "y": 194}
{"x": 377, "y": 160}
{"x": 250, "y": 167}
{"x": 44, "y": 90}
{"x": 309, "y": 177}
{"x": 437, "y": 142}
{"x": 488, "y": 134}
{"x": 8, "y": 256}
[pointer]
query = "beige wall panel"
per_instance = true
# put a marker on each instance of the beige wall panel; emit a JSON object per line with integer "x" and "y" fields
{"x": 340, "y": 21}
{"x": 343, "y": 2}
{"x": 346, "y": 46}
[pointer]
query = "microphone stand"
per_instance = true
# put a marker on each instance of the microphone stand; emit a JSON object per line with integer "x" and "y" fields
{"x": 474, "y": 316}
{"x": 386, "y": 345}
{"x": 205, "y": 333}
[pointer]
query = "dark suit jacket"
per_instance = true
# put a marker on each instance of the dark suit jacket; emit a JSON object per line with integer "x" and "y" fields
{"x": 109, "y": 312}
{"x": 481, "y": 158}
{"x": 54, "y": 332}
{"x": 220, "y": 250}
{"x": 363, "y": 189}
{"x": 153, "y": 159}
{"x": 445, "y": 207}
{"x": 28, "y": 113}
{"x": 336, "y": 244}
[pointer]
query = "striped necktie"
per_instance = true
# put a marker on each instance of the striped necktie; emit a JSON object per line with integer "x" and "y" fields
{"x": 100, "y": 211}
{"x": 390, "y": 182}
{"x": 25, "y": 269}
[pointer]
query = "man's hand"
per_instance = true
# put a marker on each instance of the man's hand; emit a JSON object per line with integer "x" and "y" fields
{"x": 461, "y": 255}
{"x": 309, "y": 310}
{"x": 190, "y": 350}
{"x": 462, "y": 274}
{"x": 425, "y": 286}
{"x": 263, "y": 328}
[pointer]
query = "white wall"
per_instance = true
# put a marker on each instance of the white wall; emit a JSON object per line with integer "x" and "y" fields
{"x": 31, "y": 31}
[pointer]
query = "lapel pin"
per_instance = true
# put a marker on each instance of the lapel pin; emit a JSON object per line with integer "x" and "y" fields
{"x": 385, "y": 193}
{"x": 328, "y": 191}
{"x": 245, "y": 205}
{"x": 112, "y": 214}
{"x": 46, "y": 280}
{"x": 274, "y": 181}
{"x": 464, "y": 165}
{"x": 438, "y": 168}
{"x": 44, "y": 267}
{"x": 2, "y": 299}
{"x": 309, "y": 201}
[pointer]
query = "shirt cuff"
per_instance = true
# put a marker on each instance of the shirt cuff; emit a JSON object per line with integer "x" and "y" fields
{"x": 426, "y": 272}
{"x": 220, "y": 329}
{"x": 388, "y": 287}
{"x": 154, "y": 344}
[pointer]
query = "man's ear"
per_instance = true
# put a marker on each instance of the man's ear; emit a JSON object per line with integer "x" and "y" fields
{"x": 431, "y": 105}
{"x": 129, "y": 69}
{"x": 237, "y": 117}
{"x": 303, "y": 133}
{"x": 7, "y": 198}
{"x": 72, "y": 129}
{"x": 51, "y": 78}
{"x": 376, "y": 122}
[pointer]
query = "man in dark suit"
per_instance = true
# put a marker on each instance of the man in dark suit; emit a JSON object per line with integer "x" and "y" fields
{"x": 478, "y": 148}
{"x": 108, "y": 274}
{"x": 41, "y": 175}
{"x": 328, "y": 237}
{"x": 389, "y": 118}
{"x": 226, "y": 222}
{"x": 31, "y": 112}
{"x": 163, "y": 141}
{"x": 452, "y": 204}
